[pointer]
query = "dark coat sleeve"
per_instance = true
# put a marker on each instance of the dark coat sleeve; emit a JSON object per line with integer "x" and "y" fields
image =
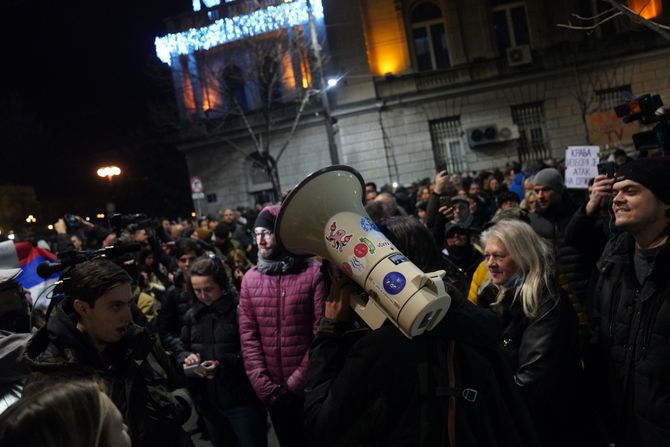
{"x": 333, "y": 387}
{"x": 169, "y": 322}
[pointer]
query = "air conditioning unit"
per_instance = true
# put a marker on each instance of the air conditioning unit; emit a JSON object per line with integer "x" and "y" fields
{"x": 520, "y": 55}
{"x": 491, "y": 134}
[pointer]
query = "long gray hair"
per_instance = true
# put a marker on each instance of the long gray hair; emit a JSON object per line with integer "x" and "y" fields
{"x": 531, "y": 254}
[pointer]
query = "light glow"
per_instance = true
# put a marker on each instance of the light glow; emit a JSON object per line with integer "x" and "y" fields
{"x": 109, "y": 172}
{"x": 647, "y": 9}
{"x": 231, "y": 29}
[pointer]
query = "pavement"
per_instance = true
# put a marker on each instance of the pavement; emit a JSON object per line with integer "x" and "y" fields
{"x": 196, "y": 436}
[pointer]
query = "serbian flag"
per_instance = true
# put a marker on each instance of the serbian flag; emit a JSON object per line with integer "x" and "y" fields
{"x": 29, "y": 258}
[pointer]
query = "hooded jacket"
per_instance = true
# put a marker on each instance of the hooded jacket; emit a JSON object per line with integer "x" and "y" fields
{"x": 136, "y": 373}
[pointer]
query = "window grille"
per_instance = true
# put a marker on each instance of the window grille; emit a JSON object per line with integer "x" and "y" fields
{"x": 530, "y": 119}
{"x": 609, "y": 98}
{"x": 447, "y": 137}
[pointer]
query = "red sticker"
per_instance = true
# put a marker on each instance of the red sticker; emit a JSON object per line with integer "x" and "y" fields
{"x": 360, "y": 250}
{"x": 347, "y": 268}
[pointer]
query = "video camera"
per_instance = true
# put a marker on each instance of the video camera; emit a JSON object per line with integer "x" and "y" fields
{"x": 132, "y": 222}
{"x": 645, "y": 109}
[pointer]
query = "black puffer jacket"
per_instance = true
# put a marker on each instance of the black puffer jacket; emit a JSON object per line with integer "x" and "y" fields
{"x": 136, "y": 371}
{"x": 634, "y": 323}
{"x": 213, "y": 333}
{"x": 380, "y": 388}
{"x": 572, "y": 263}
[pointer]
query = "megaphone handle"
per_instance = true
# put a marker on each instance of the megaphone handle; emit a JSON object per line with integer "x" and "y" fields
{"x": 370, "y": 312}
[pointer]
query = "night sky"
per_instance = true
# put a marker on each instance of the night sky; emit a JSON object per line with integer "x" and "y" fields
{"x": 82, "y": 88}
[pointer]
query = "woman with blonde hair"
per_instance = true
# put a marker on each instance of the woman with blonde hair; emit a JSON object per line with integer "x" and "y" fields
{"x": 73, "y": 414}
{"x": 539, "y": 336}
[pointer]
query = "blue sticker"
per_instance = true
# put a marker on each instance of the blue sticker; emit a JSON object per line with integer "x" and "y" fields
{"x": 368, "y": 225}
{"x": 397, "y": 258}
{"x": 394, "y": 283}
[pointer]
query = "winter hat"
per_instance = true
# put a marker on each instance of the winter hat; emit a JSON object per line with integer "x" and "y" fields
{"x": 224, "y": 230}
{"x": 551, "y": 178}
{"x": 652, "y": 173}
{"x": 267, "y": 217}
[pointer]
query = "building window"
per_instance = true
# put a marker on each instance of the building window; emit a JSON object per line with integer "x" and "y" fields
{"x": 429, "y": 39}
{"x": 510, "y": 26}
{"x": 447, "y": 137}
{"x": 530, "y": 119}
{"x": 233, "y": 86}
{"x": 609, "y": 98}
{"x": 187, "y": 86}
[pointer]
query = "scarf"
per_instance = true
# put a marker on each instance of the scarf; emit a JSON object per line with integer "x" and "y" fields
{"x": 275, "y": 266}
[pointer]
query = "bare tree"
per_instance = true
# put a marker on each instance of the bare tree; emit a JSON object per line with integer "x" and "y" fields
{"x": 255, "y": 91}
{"x": 617, "y": 9}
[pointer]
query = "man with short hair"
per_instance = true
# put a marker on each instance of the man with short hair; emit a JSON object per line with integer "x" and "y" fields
{"x": 91, "y": 335}
{"x": 632, "y": 301}
{"x": 281, "y": 304}
{"x": 554, "y": 209}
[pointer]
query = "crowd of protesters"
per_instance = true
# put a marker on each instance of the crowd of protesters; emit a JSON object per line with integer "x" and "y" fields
{"x": 558, "y": 333}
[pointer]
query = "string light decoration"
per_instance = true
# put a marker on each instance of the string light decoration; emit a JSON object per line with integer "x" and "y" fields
{"x": 231, "y": 29}
{"x": 197, "y": 4}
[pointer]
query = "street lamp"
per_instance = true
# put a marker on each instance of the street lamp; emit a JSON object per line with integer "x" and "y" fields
{"x": 109, "y": 172}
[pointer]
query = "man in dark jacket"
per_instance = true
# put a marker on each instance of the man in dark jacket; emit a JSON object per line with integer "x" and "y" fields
{"x": 91, "y": 335}
{"x": 554, "y": 209}
{"x": 281, "y": 303}
{"x": 632, "y": 302}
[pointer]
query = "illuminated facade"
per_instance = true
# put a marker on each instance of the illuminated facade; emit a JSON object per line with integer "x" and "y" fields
{"x": 424, "y": 82}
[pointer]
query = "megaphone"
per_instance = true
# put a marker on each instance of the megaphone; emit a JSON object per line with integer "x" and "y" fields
{"x": 324, "y": 215}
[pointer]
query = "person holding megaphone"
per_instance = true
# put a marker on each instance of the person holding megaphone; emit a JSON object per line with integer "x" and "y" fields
{"x": 447, "y": 386}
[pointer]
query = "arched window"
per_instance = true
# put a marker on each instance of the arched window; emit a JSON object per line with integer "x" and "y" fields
{"x": 429, "y": 38}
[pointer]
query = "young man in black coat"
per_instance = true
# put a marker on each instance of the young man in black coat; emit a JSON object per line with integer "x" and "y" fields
{"x": 91, "y": 335}
{"x": 632, "y": 301}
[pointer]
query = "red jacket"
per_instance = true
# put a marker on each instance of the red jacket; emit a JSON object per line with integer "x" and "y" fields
{"x": 278, "y": 316}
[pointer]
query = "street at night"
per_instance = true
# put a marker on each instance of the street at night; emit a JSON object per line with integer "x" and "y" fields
{"x": 335, "y": 223}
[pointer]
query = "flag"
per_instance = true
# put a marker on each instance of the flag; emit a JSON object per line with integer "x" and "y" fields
{"x": 29, "y": 258}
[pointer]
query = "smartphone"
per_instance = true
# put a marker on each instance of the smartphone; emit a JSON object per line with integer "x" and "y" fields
{"x": 194, "y": 370}
{"x": 445, "y": 201}
{"x": 441, "y": 166}
{"x": 607, "y": 169}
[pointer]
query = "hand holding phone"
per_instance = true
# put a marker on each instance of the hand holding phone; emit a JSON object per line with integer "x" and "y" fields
{"x": 607, "y": 168}
{"x": 194, "y": 371}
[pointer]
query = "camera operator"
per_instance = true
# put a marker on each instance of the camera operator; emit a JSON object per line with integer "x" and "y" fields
{"x": 76, "y": 234}
{"x": 91, "y": 335}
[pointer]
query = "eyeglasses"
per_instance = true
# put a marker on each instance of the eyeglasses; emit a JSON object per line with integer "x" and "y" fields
{"x": 496, "y": 257}
{"x": 262, "y": 234}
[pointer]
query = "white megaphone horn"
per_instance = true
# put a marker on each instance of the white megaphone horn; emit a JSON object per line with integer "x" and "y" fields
{"x": 324, "y": 215}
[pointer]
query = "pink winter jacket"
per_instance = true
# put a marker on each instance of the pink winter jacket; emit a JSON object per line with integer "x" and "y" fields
{"x": 279, "y": 315}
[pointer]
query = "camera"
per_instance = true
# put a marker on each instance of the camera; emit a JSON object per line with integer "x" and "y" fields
{"x": 645, "y": 109}
{"x": 71, "y": 221}
{"x": 132, "y": 222}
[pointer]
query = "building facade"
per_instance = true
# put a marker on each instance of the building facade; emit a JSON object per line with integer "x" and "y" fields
{"x": 470, "y": 85}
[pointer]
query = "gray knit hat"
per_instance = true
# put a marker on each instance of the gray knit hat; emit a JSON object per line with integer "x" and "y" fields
{"x": 551, "y": 178}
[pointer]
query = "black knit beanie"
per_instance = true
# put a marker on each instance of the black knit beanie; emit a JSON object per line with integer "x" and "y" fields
{"x": 652, "y": 173}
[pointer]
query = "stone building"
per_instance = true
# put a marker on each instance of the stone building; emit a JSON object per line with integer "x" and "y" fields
{"x": 471, "y": 84}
